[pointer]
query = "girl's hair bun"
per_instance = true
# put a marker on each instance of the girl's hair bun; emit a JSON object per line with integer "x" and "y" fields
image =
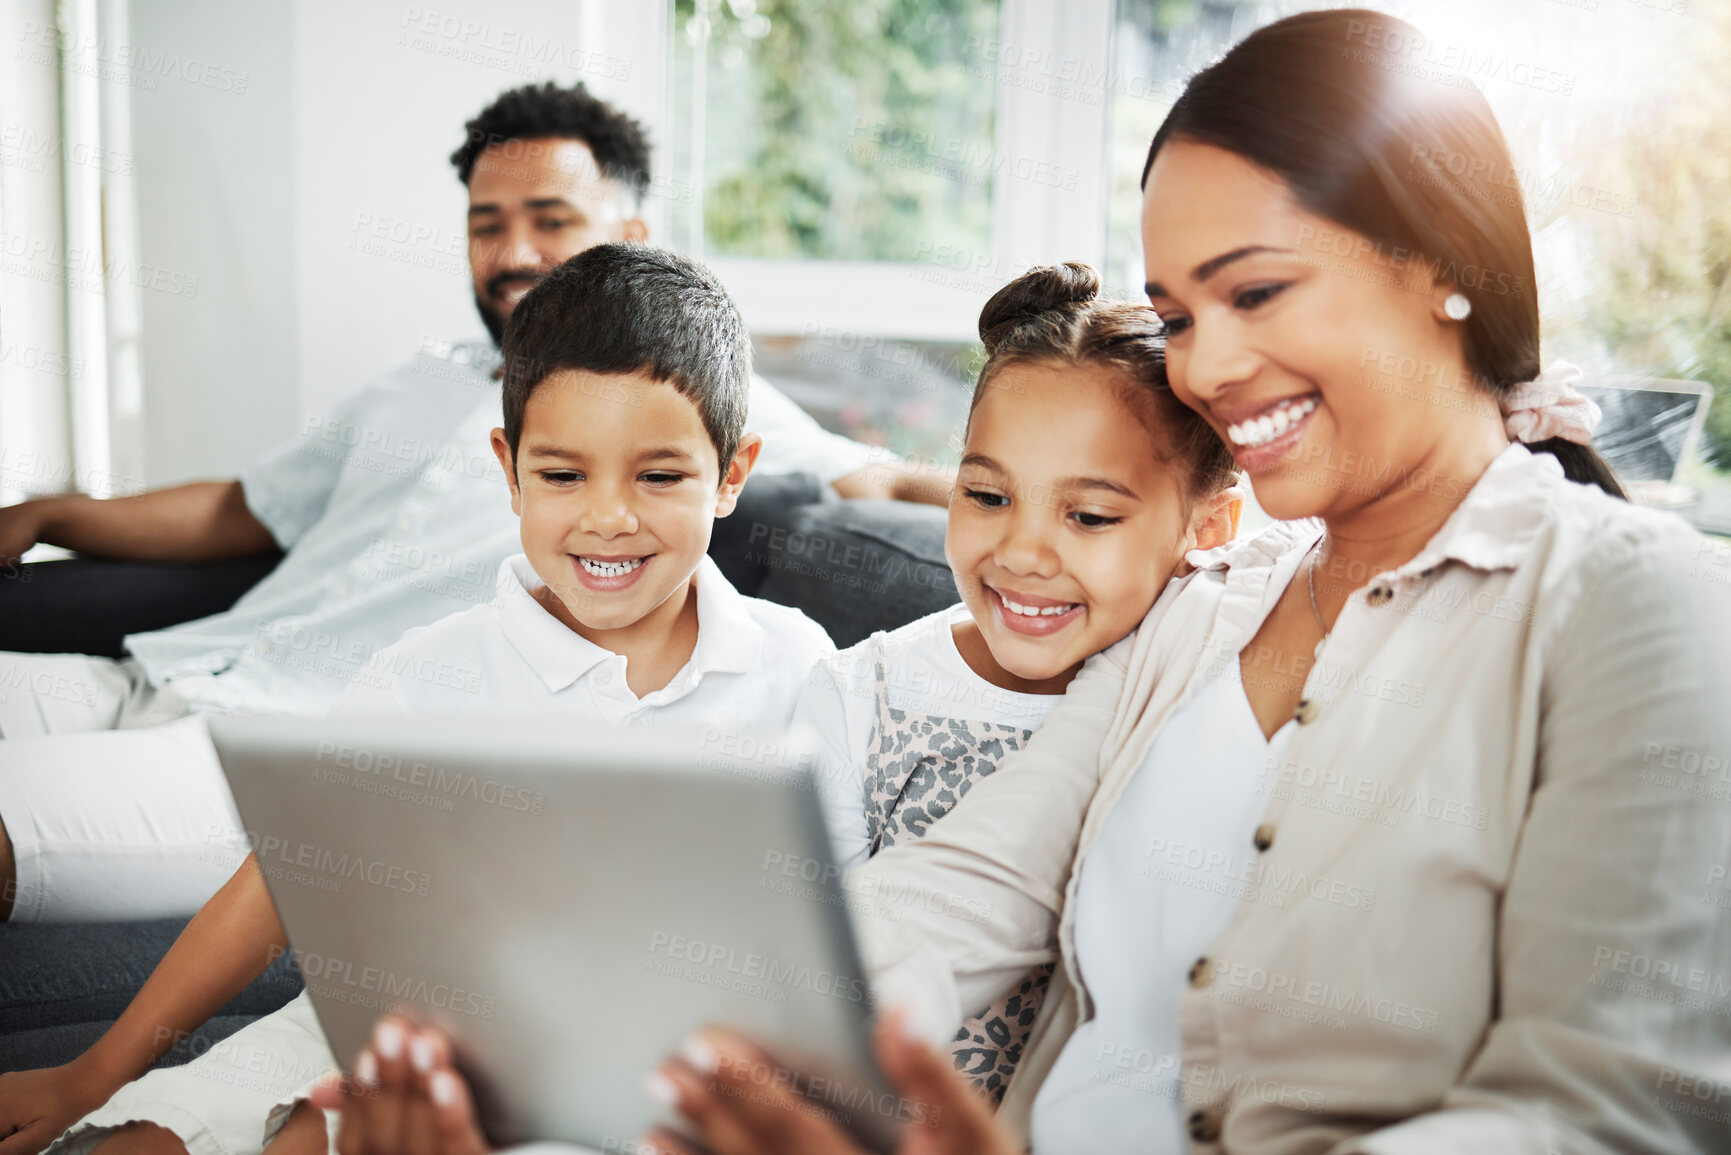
{"x": 1039, "y": 290}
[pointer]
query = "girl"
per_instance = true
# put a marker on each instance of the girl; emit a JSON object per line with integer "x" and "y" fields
{"x": 1418, "y": 728}
{"x": 1082, "y": 485}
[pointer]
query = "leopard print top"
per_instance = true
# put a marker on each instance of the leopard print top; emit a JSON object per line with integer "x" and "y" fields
{"x": 918, "y": 767}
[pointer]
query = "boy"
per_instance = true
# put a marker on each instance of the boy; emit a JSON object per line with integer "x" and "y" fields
{"x": 626, "y": 371}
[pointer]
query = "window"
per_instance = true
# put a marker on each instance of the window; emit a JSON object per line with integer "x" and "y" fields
{"x": 71, "y": 392}
{"x": 833, "y": 131}
{"x": 864, "y": 174}
{"x": 882, "y": 166}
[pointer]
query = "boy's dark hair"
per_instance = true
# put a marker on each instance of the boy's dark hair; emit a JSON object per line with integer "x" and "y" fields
{"x": 633, "y": 308}
{"x": 534, "y": 112}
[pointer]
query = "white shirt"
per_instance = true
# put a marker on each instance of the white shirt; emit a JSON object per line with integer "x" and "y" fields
{"x": 1164, "y": 879}
{"x": 394, "y": 513}
{"x": 924, "y": 674}
{"x": 513, "y": 657}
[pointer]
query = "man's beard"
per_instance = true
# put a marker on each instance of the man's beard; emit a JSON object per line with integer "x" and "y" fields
{"x": 490, "y": 315}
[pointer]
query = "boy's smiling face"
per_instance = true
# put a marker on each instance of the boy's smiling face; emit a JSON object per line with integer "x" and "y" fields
{"x": 618, "y": 486}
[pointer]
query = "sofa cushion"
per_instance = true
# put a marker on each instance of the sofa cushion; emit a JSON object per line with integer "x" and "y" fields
{"x": 56, "y": 1046}
{"x": 857, "y": 566}
{"x": 767, "y": 500}
{"x": 65, "y": 980}
{"x": 86, "y": 605}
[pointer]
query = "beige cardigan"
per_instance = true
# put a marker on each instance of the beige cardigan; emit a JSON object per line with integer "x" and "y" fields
{"x": 1491, "y": 912}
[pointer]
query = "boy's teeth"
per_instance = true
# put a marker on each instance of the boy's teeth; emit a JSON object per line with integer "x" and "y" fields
{"x": 1032, "y": 612}
{"x": 609, "y": 568}
{"x": 1255, "y": 431}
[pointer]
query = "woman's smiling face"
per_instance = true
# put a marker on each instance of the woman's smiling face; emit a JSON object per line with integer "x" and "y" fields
{"x": 1065, "y": 522}
{"x": 1294, "y": 336}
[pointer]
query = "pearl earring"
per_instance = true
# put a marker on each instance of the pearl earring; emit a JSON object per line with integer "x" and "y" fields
{"x": 1457, "y": 307}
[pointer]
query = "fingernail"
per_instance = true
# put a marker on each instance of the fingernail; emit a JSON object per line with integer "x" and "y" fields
{"x": 444, "y": 1089}
{"x": 662, "y": 1089}
{"x": 421, "y": 1054}
{"x": 388, "y": 1041}
{"x": 367, "y": 1069}
{"x": 701, "y": 1053}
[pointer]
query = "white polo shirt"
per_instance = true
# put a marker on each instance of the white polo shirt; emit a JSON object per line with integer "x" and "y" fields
{"x": 394, "y": 514}
{"x": 512, "y": 657}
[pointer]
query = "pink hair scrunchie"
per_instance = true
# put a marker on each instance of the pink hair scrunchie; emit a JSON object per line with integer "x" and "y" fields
{"x": 1550, "y": 406}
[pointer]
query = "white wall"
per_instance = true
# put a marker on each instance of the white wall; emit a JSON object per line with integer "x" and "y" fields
{"x": 271, "y": 196}
{"x": 213, "y": 171}
{"x": 382, "y": 92}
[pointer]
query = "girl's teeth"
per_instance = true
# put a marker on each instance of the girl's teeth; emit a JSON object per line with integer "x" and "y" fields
{"x": 1031, "y": 612}
{"x": 1260, "y": 430}
{"x": 609, "y": 568}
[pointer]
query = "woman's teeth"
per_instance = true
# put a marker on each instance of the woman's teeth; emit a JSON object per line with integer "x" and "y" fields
{"x": 1261, "y": 430}
{"x": 610, "y": 568}
{"x": 1033, "y": 612}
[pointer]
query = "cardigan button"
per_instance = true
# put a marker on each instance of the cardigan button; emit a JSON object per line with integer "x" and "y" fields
{"x": 1379, "y": 595}
{"x": 1201, "y": 972}
{"x": 1204, "y": 1127}
{"x": 1305, "y": 714}
{"x": 1264, "y": 837}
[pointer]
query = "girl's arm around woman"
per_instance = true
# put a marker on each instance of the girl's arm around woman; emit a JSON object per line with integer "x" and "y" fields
{"x": 950, "y": 921}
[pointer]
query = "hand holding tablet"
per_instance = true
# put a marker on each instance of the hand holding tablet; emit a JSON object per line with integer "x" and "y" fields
{"x": 565, "y": 909}
{"x": 416, "y": 1103}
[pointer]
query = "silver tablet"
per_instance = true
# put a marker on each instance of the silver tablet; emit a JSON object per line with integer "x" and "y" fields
{"x": 568, "y": 909}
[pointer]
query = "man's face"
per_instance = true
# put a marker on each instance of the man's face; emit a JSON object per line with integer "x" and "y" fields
{"x": 532, "y": 205}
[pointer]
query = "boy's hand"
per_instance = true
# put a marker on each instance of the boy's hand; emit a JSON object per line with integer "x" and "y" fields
{"x": 718, "y": 1083}
{"x": 404, "y": 1098}
{"x": 36, "y": 1107}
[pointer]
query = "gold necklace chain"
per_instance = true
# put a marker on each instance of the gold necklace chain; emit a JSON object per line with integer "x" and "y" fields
{"x": 1310, "y": 580}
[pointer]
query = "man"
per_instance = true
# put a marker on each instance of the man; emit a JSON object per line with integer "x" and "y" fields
{"x": 111, "y": 804}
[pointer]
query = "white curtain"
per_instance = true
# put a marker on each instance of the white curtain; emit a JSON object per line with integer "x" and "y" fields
{"x": 70, "y": 390}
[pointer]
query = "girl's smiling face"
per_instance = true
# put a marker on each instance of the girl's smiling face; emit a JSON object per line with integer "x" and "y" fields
{"x": 1066, "y": 521}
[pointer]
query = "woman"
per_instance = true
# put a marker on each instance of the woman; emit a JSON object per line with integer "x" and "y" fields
{"x": 1369, "y": 839}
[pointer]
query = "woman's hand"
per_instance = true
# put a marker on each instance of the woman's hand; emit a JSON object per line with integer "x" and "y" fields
{"x": 404, "y": 1098}
{"x": 730, "y": 1092}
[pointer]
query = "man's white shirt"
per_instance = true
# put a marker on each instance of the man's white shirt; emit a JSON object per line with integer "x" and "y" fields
{"x": 394, "y": 514}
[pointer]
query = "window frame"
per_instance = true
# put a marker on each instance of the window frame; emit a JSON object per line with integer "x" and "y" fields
{"x": 1061, "y": 215}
